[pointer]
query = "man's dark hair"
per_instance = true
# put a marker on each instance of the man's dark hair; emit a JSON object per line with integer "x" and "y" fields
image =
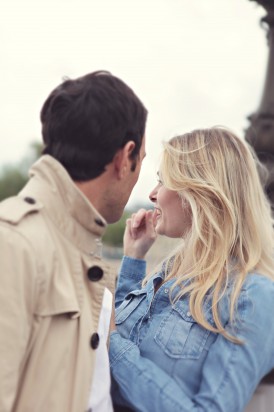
{"x": 87, "y": 120}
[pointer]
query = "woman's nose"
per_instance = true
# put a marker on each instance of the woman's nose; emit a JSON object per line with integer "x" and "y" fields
{"x": 153, "y": 195}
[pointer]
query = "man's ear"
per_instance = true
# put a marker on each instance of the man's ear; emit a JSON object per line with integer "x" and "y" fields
{"x": 122, "y": 159}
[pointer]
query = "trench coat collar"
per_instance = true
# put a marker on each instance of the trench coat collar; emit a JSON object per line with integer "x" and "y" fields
{"x": 65, "y": 204}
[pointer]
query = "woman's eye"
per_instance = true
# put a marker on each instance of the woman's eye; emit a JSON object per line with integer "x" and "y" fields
{"x": 159, "y": 181}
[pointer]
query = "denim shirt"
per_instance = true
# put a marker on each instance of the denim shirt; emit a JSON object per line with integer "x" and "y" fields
{"x": 162, "y": 360}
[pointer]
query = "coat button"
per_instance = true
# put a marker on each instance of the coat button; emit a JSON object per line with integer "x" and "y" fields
{"x": 30, "y": 200}
{"x": 99, "y": 222}
{"x": 94, "y": 340}
{"x": 95, "y": 273}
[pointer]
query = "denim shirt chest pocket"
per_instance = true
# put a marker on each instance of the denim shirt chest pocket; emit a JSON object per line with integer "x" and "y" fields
{"x": 179, "y": 335}
{"x": 128, "y": 313}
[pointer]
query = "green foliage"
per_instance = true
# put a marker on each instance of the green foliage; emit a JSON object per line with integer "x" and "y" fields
{"x": 14, "y": 177}
{"x": 115, "y": 232}
{"x": 11, "y": 181}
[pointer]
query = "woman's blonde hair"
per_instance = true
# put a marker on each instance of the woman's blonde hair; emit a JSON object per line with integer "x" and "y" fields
{"x": 231, "y": 229}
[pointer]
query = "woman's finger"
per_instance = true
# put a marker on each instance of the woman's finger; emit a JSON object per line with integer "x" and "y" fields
{"x": 129, "y": 226}
{"x": 139, "y": 218}
{"x": 150, "y": 223}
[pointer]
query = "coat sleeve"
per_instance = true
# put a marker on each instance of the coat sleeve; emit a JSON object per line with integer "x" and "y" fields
{"x": 18, "y": 275}
{"x": 230, "y": 373}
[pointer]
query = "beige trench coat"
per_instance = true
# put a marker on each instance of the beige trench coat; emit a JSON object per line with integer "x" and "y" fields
{"x": 52, "y": 284}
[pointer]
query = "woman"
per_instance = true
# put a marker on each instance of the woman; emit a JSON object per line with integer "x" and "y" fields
{"x": 197, "y": 335}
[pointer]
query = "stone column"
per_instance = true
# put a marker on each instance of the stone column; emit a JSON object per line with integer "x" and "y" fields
{"x": 261, "y": 130}
{"x": 260, "y": 133}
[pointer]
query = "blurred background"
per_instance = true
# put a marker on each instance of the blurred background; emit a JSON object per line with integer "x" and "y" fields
{"x": 193, "y": 63}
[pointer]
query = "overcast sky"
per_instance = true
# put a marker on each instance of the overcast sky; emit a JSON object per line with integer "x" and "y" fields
{"x": 194, "y": 63}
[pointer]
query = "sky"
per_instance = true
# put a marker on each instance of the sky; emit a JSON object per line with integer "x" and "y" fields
{"x": 193, "y": 63}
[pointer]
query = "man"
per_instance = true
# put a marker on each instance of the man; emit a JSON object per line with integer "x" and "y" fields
{"x": 55, "y": 290}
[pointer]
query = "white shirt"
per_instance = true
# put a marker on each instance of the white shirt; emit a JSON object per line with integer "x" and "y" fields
{"x": 100, "y": 399}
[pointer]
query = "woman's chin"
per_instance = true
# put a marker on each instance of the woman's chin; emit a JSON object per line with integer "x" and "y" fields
{"x": 158, "y": 230}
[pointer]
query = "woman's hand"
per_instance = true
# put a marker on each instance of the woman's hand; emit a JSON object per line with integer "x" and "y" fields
{"x": 139, "y": 234}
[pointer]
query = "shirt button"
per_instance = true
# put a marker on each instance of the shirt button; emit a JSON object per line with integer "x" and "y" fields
{"x": 94, "y": 340}
{"x": 166, "y": 290}
{"x": 29, "y": 200}
{"x": 188, "y": 314}
{"x": 95, "y": 273}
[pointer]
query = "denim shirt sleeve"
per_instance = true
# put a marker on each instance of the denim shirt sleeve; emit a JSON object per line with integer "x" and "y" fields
{"x": 229, "y": 375}
{"x": 132, "y": 272}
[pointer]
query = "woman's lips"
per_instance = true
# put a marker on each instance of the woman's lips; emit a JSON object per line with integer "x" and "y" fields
{"x": 157, "y": 212}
